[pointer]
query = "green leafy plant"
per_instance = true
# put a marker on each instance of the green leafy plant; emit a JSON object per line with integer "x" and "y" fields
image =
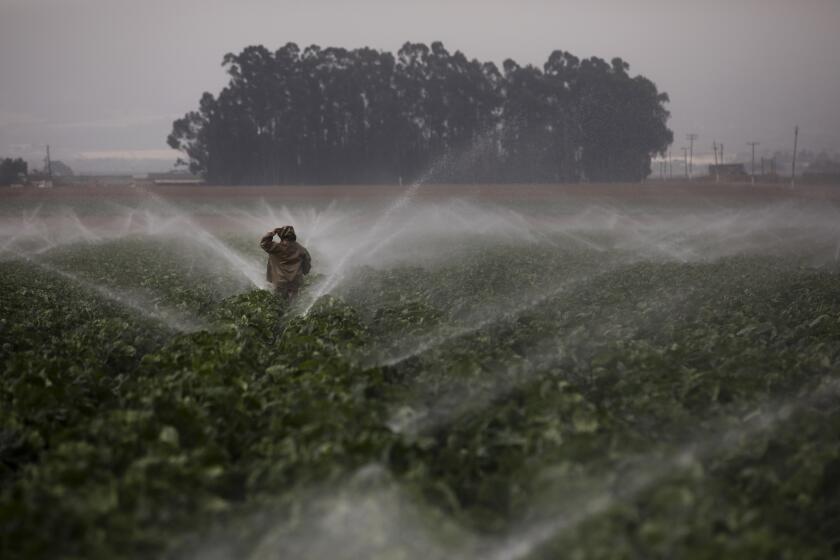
{"x": 659, "y": 409}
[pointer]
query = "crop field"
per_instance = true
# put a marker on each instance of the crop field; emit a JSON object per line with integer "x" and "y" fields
{"x": 472, "y": 374}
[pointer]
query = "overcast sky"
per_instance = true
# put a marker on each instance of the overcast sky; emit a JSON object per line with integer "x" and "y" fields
{"x": 105, "y": 78}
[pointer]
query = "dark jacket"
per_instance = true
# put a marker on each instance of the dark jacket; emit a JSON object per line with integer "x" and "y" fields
{"x": 288, "y": 260}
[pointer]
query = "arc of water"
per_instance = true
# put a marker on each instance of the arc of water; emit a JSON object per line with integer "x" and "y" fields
{"x": 178, "y": 321}
{"x": 434, "y": 341}
{"x": 432, "y": 419}
{"x": 250, "y": 270}
{"x": 344, "y": 526}
{"x": 653, "y": 468}
{"x": 371, "y": 245}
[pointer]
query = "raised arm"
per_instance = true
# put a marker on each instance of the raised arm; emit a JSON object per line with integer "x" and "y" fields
{"x": 267, "y": 242}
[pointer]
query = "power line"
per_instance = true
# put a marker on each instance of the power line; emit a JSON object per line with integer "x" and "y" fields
{"x": 49, "y": 163}
{"x": 691, "y": 138}
{"x": 795, "y": 145}
{"x": 717, "y": 169}
{"x": 752, "y": 165}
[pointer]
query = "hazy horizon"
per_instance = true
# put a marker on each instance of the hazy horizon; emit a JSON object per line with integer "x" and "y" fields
{"x": 102, "y": 80}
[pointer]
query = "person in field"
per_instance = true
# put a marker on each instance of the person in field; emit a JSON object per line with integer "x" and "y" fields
{"x": 288, "y": 261}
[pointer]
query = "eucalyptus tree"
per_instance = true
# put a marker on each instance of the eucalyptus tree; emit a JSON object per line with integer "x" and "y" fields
{"x": 332, "y": 115}
{"x": 561, "y": 73}
{"x": 527, "y": 118}
{"x": 622, "y": 119}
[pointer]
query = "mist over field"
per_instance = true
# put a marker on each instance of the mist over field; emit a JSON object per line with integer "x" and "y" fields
{"x": 478, "y": 371}
{"x": 427, "y": 281}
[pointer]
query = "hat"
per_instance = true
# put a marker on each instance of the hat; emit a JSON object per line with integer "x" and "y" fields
{"x": 286, "y": 232}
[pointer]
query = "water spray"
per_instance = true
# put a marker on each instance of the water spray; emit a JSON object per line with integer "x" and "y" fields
{"x": 144, "y": 308}
{"x": 370, "y": 245}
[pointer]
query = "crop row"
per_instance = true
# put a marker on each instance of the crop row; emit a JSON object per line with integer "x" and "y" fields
{"x": 535, "y": 402}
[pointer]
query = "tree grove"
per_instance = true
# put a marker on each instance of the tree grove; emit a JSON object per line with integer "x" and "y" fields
{"x": 334, "y": 115}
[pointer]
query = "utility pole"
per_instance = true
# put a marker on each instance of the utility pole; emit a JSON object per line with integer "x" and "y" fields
{"x": 691, "y": 138}
{"x": 49, "y": 163}
{"x": 717, "y": 169}
{"x": 752, "y": 165}
{"x": 762, "y": 166}
{"x": 722, "y": 161}
{"x": 685, "y": 161}
{"x": 670, "y": 164}
{"x": 795, "y": 146}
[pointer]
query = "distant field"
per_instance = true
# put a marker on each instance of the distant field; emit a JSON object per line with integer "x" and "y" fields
{"x": 308, "y": 193}
{"x": 504, "y": 372}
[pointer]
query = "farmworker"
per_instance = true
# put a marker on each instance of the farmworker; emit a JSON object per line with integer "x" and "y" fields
{"x": 288, "y": 261}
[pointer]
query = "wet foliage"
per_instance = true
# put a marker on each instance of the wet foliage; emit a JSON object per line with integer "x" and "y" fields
{"x": 529, "y": 404}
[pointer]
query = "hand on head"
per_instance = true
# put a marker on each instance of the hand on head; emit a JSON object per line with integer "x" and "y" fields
{"x": 285, "y": 232}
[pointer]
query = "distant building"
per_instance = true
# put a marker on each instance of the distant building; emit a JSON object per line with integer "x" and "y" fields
{"x": 728, "y": 171}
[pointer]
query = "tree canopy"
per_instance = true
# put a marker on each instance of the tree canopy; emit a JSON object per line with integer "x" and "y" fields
{"x": 12, "y": 170}
{"x": 334, "y": 115}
